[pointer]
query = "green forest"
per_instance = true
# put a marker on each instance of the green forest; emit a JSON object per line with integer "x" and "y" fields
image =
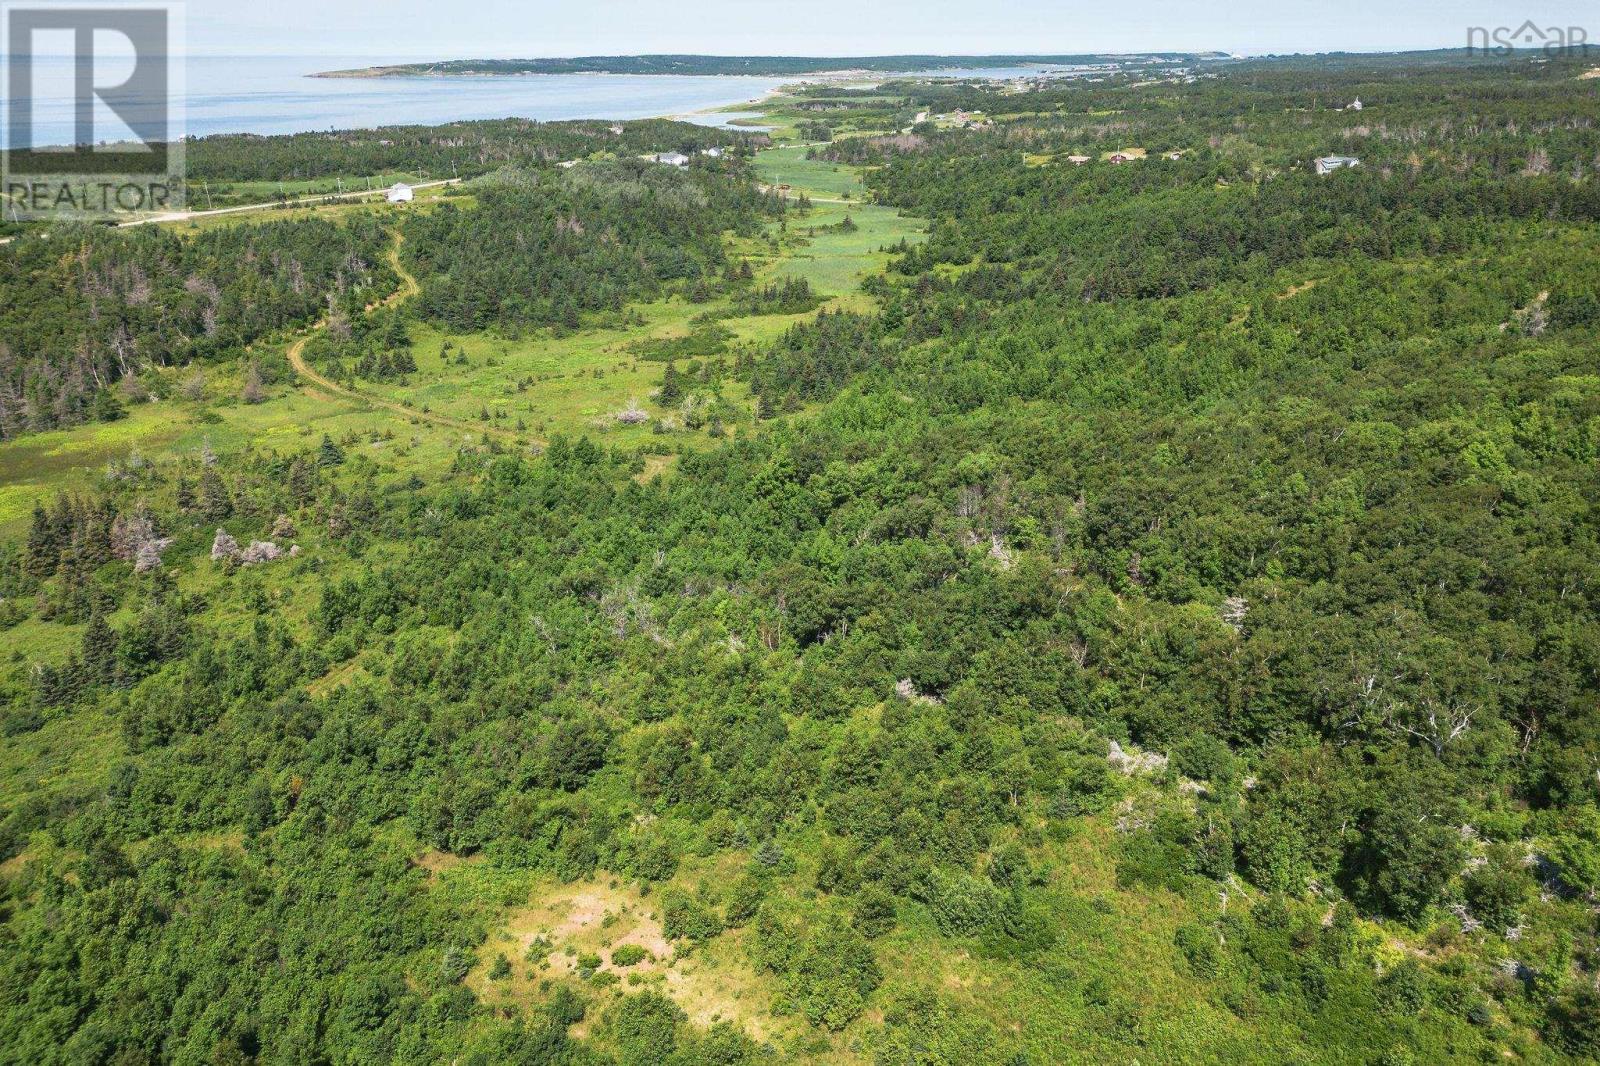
{"x": 1151, "y": 613}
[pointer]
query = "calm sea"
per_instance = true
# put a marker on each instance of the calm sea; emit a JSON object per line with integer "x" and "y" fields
{"x": 272, "y": 94}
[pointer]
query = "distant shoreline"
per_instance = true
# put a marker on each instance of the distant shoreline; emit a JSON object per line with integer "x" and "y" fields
{"x": 750, "y": 66}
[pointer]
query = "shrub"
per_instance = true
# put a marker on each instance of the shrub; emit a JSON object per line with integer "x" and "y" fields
{"x": 875, "y": 913}
{"x": 744, "y": 898}
{"x": 1199, "y": 948}
{"x": 1403, "y": 990}
{"x": 962, "y": 905}
{"x": 683, "y": 917}
{"x": 629, "y": 955}
{"x": 1496, "y": 897}
{"x": 645, "y": 1028}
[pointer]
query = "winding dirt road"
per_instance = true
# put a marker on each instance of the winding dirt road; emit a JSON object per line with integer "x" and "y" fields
{"x": 316, "y": 381}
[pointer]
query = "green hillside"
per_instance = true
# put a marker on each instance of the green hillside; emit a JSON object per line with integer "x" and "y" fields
{"x": 930, "y": 594}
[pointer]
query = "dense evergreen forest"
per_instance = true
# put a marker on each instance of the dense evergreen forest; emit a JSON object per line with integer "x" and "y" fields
{"x": 462, "y": 149}
{"x": 541, "y": 251}
{"x": 87, "y": 311}
{"x": 1160, "y": 622}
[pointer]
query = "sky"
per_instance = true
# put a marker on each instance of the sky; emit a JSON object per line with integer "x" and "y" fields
{"x": 442, "y": 29}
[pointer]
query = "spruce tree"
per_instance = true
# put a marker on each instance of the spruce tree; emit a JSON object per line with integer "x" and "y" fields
{"x": 671, "y": 393}
{"x": 214, "y": 502}
{"x": 329, "y": 453}
{"x": 100, "y": 650}
{"x": 44, "y": 546}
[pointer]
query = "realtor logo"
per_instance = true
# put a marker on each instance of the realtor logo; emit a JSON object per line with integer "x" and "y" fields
{"x": 93, "y": 110}
{"x": 1504, "y": 40}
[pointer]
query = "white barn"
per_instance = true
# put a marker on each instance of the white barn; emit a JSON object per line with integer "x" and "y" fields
{"x": 399, "y": 193}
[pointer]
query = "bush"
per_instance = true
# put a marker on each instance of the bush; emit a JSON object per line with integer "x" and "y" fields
{"x": 962, "y": 905}
{"x": 1403, "y": 990}
{"x": 744, "y": 898}
{"x": 645, "y": 1028}
{"x": 875, "y": 912}
{"x": 683, "y": 917}
{"x": 1496, "y": 897}
{"x": 629, "y": 955}
{"x": 1575, "y": 1022}
{"x": 1199, "y": 948}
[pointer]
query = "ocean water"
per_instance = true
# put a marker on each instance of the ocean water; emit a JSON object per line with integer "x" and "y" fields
{"x": 272, "y": 94}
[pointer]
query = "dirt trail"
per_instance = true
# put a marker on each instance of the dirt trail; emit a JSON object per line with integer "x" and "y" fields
{"x": 797, "y": 193}
{"x": 318, "y": 382}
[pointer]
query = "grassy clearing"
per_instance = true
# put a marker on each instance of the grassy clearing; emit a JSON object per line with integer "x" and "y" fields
{"x": 224, "y": 193}
{"x": 814, "y": 177}
{"x": 554, "y": 935}
{"x": 70, "y": 753}
{"x": 336, "y": 210}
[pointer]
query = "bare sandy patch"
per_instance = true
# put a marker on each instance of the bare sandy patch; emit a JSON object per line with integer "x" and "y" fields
{"x": 437, "y": 862}
{"x": 1295, "y": 290}
{"x": 563, "y": 928}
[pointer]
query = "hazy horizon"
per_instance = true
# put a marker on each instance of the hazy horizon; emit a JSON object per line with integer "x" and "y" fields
{"x": 394, "y": 30}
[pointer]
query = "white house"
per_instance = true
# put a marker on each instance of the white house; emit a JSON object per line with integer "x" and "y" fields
{"x": 672, "y": 159}
{"x": 399, "y": 193}
{"x": 1329, "y": 163}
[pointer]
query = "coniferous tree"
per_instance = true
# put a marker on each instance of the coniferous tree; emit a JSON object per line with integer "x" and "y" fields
{"x": 671, "y": 393}
{"x": 215, "y": 504}
{"x": 329, "y": 453}
{"x": 99, "y": 650}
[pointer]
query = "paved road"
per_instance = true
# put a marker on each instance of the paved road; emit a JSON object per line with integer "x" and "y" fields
{"x": 184, "y": 216}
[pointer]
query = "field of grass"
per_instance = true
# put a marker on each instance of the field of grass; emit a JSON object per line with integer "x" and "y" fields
{"x": 208, "y": 194}
{"x": 814, "y": 177}
{"x": 575, "y": 383}
{"x": 1114, "y": 975}
{"x": 551, "y": 930}
{"x": 335, "y": 210}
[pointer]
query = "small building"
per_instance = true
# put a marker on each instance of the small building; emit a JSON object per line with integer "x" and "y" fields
{"x": 1329, "y": 163}
{"x": 399, "y": 193}
{"x": 1355, "y": 106}
{"x": 1118, "y": 157}
{"x": 672, "y": 159}
{"x": 711, "y": 153}
{"x": 1174, "y": 156}
{"x": 1077, "y": 160}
